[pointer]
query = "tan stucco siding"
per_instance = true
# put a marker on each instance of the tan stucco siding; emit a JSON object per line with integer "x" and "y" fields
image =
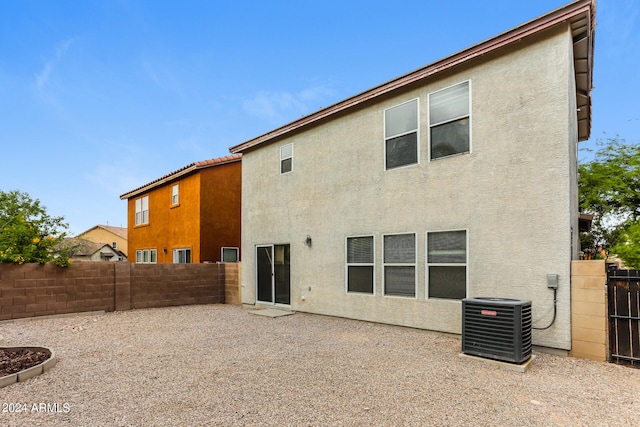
{"x": 512, "y": 193}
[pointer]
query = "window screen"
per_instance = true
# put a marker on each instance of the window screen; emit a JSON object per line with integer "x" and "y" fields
{"x": 400, "y": 265}
{"x": 360, "y": 264}
{"x": 447, "y": 264}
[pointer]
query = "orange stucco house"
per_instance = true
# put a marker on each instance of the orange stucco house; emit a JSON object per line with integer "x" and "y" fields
{"x": 191, "y": 215}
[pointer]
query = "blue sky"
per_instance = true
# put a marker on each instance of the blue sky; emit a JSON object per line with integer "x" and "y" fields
{"x": 100, "y": 97}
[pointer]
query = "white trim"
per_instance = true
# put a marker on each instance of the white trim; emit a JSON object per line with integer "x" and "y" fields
{"x": 229, "y": 247}
{"x": 437, "y": 264}
{"x": 385, "y": 138}
{"x": 414, "y": 264}
{"x": 347, "y": 265}
{"x": 429, "y": 124}
{"x": 140, "y": 209}
{"x": 176, "y": 251}
{"x": 140, "y": 255}
{"x": 285, "y": 158}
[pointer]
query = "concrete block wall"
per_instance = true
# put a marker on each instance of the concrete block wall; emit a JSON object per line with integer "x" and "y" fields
{"x": 589, "y": 334}
{"x": 40, "y": 290}
{"x": 163, "y": 285}
{"x": 33, "y": 290}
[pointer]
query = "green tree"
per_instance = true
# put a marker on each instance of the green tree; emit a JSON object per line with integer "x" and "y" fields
{"x": 27, "y": 232}
{"x": 609, "y": 188}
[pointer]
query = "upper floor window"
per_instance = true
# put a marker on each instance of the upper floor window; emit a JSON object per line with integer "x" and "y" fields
{"x": 174, "y": 194}
{"x": 401, "y": 135}
{"x": 286, "y": 158}
{"x": 114, "y": 245}
{"x": 142, "y": 210}
{"x": 182, "y": 256}
{"x": 447, "y": 264}
{"x": 449, "y": 121}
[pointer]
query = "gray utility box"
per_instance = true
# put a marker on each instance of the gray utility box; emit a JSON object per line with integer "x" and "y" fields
{"x": 497, "y": 328}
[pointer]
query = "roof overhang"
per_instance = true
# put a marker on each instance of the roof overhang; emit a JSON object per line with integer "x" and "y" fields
{"x": 580, "y": 15}
{"x": 186, "y": 170}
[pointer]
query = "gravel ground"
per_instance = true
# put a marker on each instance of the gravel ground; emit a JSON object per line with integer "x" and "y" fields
{"x": 220, "y": 365}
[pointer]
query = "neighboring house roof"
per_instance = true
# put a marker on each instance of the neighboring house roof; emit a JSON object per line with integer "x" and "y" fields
{"x": 118, "y": 231}
{"x": 580, "y": 15}
{"x": 172, "y": 176}
{"x": 85, "y": 248}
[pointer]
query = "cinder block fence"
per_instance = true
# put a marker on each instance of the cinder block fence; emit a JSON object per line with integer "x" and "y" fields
{"x": 32, "y": 290}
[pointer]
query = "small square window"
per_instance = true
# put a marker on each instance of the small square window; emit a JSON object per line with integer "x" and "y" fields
{"x": 230, "y": 254}
{"x": 286, "y": 158}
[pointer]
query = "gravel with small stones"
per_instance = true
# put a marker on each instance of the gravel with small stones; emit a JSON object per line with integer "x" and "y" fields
{"x": 221, "y": 365}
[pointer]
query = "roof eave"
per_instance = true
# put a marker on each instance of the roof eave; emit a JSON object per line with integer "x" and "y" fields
{"x": 572, "y": 11}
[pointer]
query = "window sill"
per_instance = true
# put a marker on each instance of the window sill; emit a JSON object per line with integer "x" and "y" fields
{"x": 141, "y": 225}
{"x": 177, "y": 205}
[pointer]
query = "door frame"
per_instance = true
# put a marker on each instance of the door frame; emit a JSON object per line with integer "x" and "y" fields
{"x": 273, "y": 274}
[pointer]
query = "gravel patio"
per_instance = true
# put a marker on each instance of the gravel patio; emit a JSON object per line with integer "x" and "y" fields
{"x": 221, "y": 365}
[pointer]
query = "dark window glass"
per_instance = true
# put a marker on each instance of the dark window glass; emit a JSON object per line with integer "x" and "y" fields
{"x": 450, "y": 138}
{"x": 360, "y": 279}
{"x": 402, "y": 150}
{"x": 400, "y": 281}
{"x": 447, "y": 282}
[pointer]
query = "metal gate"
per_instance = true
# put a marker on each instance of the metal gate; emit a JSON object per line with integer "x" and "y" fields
{"x": 624, "y": 316}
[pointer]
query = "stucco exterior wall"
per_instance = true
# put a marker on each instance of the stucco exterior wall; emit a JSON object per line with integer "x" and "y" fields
{"x": 170, "y": 226}
{"x": 513, "y": 194}
{"x": 220, "y": 209}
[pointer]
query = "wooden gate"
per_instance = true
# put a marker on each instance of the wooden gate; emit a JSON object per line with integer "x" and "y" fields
{"x": 624, "y": 316}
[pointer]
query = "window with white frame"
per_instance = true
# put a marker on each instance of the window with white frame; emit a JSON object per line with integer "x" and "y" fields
{"x": 360, "y": 264}
{"x": 230, "y": 254}
{"x": 174, "y": 194}
{"x": 401, "y": 135}
{"x": 399, "y": 264}
{"x": 447, "y": 264}
{"x": 146, "y": 256}
{"x": 449, "y": 121}
{"x": 286, "y": 158}
{"x": 142, "y": 210}
{"x": 182, "y": 256}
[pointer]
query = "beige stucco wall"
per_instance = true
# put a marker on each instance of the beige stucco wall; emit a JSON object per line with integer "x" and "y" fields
{"x": 513, "y": 194}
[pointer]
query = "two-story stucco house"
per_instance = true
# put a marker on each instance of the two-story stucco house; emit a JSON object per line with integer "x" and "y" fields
{"x": 455, "y": 180}
{"x": 191, "y": 215}
{"x": 116, "y": 237}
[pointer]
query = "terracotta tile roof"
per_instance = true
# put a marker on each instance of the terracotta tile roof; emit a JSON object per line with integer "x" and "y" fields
{"x": 580, "y": 16}
{"x": 181, "y": 172}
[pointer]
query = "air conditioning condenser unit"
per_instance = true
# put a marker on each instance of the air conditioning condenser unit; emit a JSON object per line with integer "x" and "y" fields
{"x": 497, "y": 328}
